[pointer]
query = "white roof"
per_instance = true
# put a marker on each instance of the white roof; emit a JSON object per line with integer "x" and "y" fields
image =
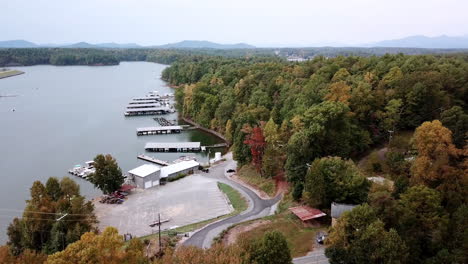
{"x": 172, "y": 145}
{"x": 159, "y": 128}
{"x": 176, "y": 167}
{"x": 144, "y": 170}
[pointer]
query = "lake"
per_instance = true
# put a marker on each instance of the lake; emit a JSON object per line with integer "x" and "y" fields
{"x": 66, "y": 115}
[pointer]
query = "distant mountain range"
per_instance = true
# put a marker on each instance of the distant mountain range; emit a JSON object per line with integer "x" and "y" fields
{"x": 186, "y": 44}
{"x": 440, "y": 42}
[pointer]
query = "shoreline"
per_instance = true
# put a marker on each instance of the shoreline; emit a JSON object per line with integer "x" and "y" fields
{"x": 10, "y": 73}
{"x": 207, "y": 130}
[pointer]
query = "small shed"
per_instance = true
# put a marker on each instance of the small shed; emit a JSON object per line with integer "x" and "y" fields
{"x": 183, "y": 167}
{"x": 338, "y": 209}
{"x": 146, "y": 176}
{"x": 306, "y": 213}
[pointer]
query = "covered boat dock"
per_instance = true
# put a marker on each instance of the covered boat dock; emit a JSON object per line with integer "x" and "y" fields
{"x": 173, "y": 147}
{"x": 143, "y": 131}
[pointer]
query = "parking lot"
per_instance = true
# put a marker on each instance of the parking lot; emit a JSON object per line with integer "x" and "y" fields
{"x": 186, "y": 201}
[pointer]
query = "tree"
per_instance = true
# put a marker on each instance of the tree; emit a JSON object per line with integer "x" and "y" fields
{"x": 103, "y": 248}
{"x": 360, "y": 237}
{"x": 421, "y": 220}
{"x": 456, "y": 120}
{"x": 257, "y": 143}
{"x": 440, "y": 164}
{"x": 339, "y": 92}
{"x": 108, "y": 176}
{"x": 333, "y": 179}
{"x": 271, "y": 249}
{"x": 38, "y": 228}
{"x": 53, "y": 188}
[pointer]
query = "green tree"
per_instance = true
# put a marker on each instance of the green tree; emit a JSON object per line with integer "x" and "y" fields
{"x": 333, "y": 179}
{"x": 53, "y": 188}
{"x": 456, "y": 120}
{"x": 360, "y": 237}
{"x": 108, "y": 176}
{"x": 421, "y": 221}
{"x": 271, "y": 249}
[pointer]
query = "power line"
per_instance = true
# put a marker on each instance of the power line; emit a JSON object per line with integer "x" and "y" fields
{"x": 39, "y": 212}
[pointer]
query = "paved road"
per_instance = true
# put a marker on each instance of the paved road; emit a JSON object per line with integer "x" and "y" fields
{"x": 257, "y": 207}
{"x": 315, "y": 257}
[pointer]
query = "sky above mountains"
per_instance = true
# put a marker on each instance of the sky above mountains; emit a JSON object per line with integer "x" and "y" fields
{"x": 257, "y": 22}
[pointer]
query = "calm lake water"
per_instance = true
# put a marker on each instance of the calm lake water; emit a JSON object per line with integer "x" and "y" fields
{"x": 65, "y": 116}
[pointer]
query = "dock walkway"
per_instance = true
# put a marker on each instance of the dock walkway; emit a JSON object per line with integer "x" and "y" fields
{"x": 153, "y": 160}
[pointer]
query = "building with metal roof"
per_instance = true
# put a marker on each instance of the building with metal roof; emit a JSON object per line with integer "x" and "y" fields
{"x": 306, "y": 213}
{"x": 338, "y": 209}
{"x": 146, "y": 176}
{"x": 183, "y": 167}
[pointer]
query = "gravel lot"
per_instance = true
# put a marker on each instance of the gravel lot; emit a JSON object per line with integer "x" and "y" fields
{"x": 186, "y": 201}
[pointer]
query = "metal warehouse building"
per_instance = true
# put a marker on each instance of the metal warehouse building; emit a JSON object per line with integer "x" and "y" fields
{"x": 146, "y": 176}
{"x": 183, "y": 167}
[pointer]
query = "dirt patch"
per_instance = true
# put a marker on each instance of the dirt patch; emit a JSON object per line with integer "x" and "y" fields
{"x": 282, "y": 185}
{"x": 231, "y": 236}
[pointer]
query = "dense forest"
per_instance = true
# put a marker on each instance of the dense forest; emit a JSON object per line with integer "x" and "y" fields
{"x": 89, "y": 56}
{"x": 311, "y": 119}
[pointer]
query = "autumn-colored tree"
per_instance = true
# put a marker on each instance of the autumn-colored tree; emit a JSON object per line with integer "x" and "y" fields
{"x": 27, "y": 257}
{"x": 217, "y": 254}
{"x": 440, "y": 164}
{"x": 339, "y": 92}
{"x": 105, "y": 248}
{"x": 256, "y": 141}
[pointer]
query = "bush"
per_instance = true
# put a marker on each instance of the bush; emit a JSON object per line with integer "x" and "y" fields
{"x": 178, "y": 177}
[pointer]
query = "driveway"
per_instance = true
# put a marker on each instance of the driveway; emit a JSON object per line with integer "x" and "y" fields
{"x": 257, "y": 207}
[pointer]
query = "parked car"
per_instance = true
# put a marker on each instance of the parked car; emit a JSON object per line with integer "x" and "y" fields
{"x": 230, "y": 171}
{"x": 321, "y": 238}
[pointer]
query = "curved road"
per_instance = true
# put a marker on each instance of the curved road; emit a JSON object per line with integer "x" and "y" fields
{"x": 257, "y": 207}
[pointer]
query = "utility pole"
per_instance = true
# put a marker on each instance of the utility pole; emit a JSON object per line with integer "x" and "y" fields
{"x": 159, "y": 226}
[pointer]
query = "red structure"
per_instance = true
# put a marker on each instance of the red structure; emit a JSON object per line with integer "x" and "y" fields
{"x": 126, "y": 188}
{"x": 306, "y": 213}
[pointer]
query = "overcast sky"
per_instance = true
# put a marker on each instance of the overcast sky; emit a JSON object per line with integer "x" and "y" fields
{"x": 258, "y": 22}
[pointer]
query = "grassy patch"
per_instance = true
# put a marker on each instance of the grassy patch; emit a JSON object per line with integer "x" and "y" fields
{"x": 238, "y": 202}
{"x": 8, "y": 73}
{"x": 300, "y": 238}
{"x": 249, "y": 175}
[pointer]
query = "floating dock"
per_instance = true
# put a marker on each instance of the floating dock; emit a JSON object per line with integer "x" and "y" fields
{"x": 153, "y": 160}
{"x": 148, "y": 111}
{"x": 144, "y": 131}
{"x": 173, "y": 147}
{"x": 163, "y": 121}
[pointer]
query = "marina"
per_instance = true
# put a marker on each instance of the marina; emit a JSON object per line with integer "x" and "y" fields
{"x": 144, "y": 131}
{"x": 173, "y": 146}
{"x": 83, "y": 171}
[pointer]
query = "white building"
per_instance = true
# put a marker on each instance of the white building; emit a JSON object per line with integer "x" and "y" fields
{"x": 183, "y": 167}
{"x": 146, "y": 176}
